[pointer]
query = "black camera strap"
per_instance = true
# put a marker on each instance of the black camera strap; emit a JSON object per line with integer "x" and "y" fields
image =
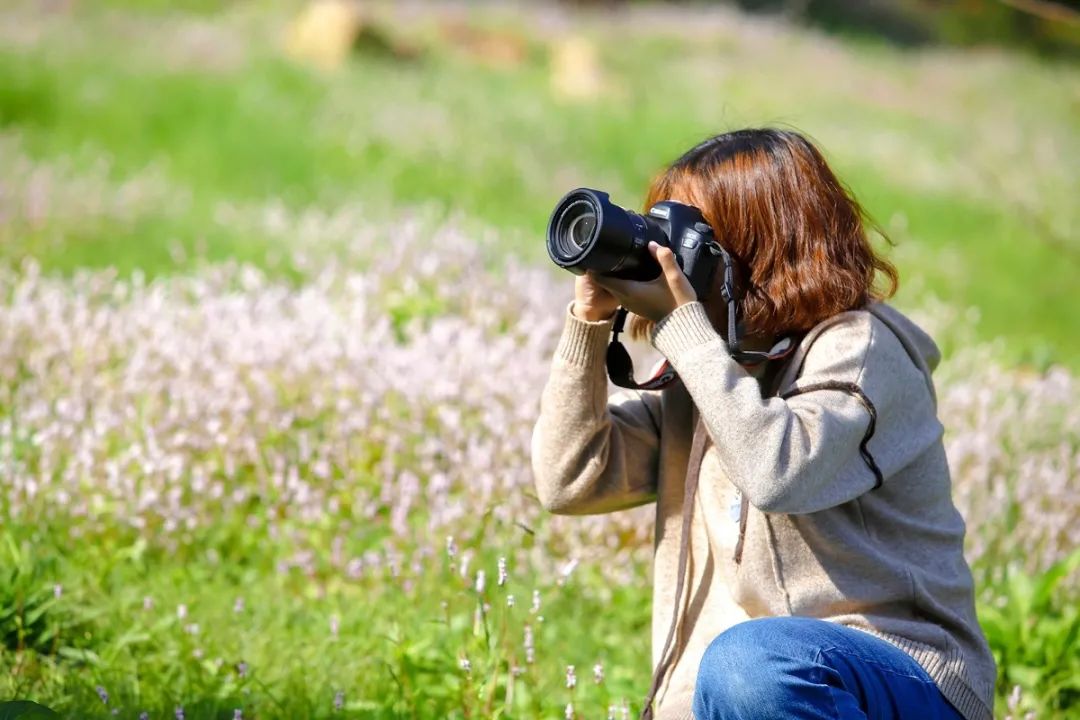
{"x": 620, "y": 367}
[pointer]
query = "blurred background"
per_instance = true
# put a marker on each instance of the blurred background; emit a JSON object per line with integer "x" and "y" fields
{"x": 275, "y": 312}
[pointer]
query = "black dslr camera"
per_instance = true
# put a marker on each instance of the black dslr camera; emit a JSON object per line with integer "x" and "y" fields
{"x": 589, "y": 232}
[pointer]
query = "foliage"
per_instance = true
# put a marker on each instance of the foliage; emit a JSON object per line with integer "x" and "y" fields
{"x": 265, "y": 408}
{"x": 25, "y": 710}
{"x": 1034, "y": 630}
{"x": 297, "y": 491}
{"x": 1048, "y": 28}
{"x": 942, "y": 147}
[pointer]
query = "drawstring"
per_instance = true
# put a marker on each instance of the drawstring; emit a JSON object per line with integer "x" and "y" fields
{"x": 693, "y": 471}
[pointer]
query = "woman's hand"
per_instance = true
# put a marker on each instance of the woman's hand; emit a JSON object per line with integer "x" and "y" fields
{"x": 657, "y": 298}
{"x": 591, "y": 301}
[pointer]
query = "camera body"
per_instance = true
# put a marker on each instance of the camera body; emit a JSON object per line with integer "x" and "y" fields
{"x": 690, "y": 239}
{"x": 589, "y": 232}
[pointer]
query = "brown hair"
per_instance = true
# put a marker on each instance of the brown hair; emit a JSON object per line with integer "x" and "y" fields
{"x": 795, "y": 232}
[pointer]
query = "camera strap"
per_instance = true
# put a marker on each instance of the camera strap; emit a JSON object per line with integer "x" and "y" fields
{"x": 620, "y": 367}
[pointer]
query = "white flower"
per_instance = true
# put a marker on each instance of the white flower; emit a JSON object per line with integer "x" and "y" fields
{"x": 502, "y": 571}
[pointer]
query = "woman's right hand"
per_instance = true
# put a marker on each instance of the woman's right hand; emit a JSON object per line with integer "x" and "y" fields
{"x": 592, "y": 302}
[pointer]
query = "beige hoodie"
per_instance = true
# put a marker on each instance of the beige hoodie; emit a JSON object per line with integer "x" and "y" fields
{"x": 820, "y": 539}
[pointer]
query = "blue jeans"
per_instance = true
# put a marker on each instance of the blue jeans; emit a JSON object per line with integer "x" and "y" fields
{"x": 796, "y": 667}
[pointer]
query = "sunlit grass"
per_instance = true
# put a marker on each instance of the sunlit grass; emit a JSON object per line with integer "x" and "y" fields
{"x": 946, "y": 150}
{"x": 257, "y": 364}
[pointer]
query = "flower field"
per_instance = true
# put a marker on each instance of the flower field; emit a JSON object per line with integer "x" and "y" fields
{"x": 339, "y": 495}
{"x": 265, "y": 448}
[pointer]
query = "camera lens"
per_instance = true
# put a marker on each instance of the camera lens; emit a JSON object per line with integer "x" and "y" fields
{"x": 581, "y": 230}
{"x": 574, "y": 229}
{"x": 589, "y": 232}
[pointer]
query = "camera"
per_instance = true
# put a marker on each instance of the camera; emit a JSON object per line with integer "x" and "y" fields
{"x": 589, "y": 232}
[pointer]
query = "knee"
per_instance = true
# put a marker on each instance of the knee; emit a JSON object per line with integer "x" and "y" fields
{"x": 746, "y": 671}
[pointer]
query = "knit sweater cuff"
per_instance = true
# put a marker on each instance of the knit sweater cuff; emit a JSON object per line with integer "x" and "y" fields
{"x": 684, "y": 329}
{"x": 583, "y": 343}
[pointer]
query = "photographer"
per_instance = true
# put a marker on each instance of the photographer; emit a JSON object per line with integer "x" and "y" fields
{"x": 808, "y": 556}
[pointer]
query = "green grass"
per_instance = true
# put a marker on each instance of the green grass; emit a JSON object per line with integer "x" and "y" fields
{"x": 496, "y": 146}
{"x": 128, "y": 142}
{"x": 117, "y": 625}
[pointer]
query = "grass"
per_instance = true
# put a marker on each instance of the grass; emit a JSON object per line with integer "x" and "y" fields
{"x": 943, "y": 148}
{"x": 168, "y": 140}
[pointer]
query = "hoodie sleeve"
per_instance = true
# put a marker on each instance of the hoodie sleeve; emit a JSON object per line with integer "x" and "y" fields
{"x": 592, "y": 454}
{"x": 810, "y": 451}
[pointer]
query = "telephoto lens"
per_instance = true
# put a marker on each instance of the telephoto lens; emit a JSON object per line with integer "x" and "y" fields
{"x": 589, "y": 232}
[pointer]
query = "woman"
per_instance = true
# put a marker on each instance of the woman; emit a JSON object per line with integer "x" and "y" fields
{"x": 809, "y": 559}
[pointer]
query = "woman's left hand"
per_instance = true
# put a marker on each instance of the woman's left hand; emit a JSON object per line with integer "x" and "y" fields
{"x": 655, "y": 299}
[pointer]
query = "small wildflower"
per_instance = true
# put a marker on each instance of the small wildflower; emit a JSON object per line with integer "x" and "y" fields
{"x": 535, "y": 602}
{"x": 102, "y": 694}
{"x": 1013, "y": 700}
{"x": 451, "y": 547}
{"x": 569, "y": 711}
{"x": 197, "y": 653}
{"x": 502, "y": 571}
{"x": 339, "y": 700}
{"x": 192, "y": 628}
{"x": 510, "y": 600}
{"x": 181, "y": 611}
{"x": 179, "y": 713}
{"x": 147, "y": 603}
{"x": 334, "y": 625}
{"x": 610, "y": 712}
{"x": 57, "y": 590}
{"x": 571, "y": 677}
{"x": 516, "y": 670}
{"x": 144, "y": 715}
{"x": 238, "y": 605}
{"x": 480, "y": 581}
{"x": 237, "y": 714}
{"x": 598, "y": 673}
{"x": 529, "y": 649}
{"x": 242, "y": 669}
{"x": 465, "y": 665}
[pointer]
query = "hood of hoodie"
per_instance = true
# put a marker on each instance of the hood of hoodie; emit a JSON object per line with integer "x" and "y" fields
{"x": 920, "y": 347}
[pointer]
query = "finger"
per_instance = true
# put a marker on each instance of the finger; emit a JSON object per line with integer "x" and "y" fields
{"x": 674, "y": 277}
{"x": 668, "y": 264}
